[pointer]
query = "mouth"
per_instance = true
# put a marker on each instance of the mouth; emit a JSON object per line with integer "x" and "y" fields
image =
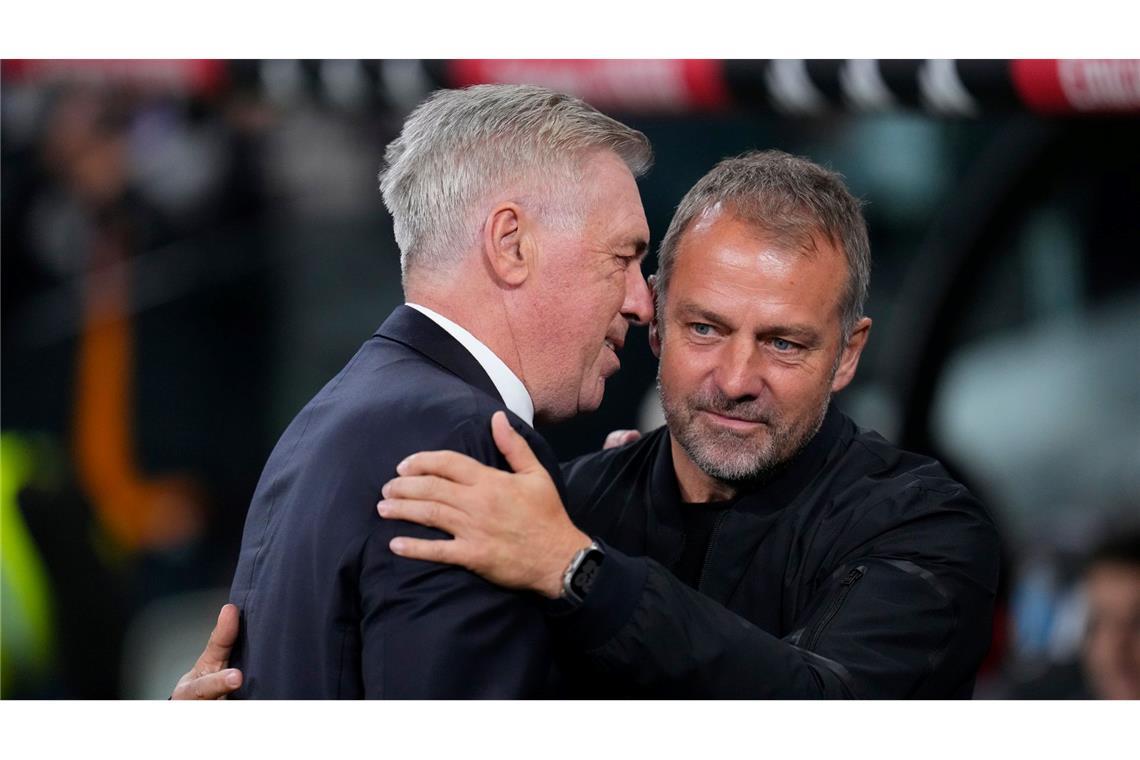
{"x": 612, "y": 366}
{"x": 733, "y": 423}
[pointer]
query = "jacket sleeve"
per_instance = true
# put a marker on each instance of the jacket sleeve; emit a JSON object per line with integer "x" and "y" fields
{"x": 890, "y": 622}
{"x": 437, "y": 631}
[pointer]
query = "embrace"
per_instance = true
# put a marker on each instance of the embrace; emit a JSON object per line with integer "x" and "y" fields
{"x": 412, "y": 536}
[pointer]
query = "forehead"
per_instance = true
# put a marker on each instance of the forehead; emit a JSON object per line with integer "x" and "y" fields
{"x": 725, "y": 263}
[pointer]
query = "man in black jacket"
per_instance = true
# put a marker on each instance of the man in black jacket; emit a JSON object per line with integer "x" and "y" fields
{"x": 761, "y": 545}
{"x": 495, "y": 222}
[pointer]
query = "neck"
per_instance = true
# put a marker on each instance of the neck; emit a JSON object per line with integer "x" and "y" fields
{"x": 483, "y": 314}
{"x": 695, "y": 484}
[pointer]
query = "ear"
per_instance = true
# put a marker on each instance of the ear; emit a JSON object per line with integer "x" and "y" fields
{"x": 851, "y": 353}
{"x": 502, "y": 244}
{"x": 654, "y": 324}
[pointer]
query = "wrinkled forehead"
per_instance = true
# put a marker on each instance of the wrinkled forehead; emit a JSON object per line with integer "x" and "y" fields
{"x": 722, "y": 253}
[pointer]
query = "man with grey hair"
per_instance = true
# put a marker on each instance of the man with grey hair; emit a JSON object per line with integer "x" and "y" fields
{"x": 761, "y": 544}
{"x": 514, "y": 208}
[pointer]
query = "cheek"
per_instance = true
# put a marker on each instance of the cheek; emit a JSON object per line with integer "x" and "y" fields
{"x": 798, "y": 385}
{"x": 611, "y": 296}
{"x": 682, "y": 369}
{"x": 597, "y": 309}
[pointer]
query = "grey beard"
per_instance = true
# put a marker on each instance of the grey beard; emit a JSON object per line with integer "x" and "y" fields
{"x": 747, "y": 464}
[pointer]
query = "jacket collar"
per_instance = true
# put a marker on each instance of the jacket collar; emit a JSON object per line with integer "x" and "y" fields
{"x": 784, "y": 485}
{"x": 665, "y": 538}
{"x": 418, "y": 332}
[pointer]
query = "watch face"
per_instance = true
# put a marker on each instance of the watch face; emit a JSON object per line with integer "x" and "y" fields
{"x": 586, "y": 573}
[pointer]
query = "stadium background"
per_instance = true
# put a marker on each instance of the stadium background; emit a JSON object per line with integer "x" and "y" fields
{"x": 192, "y": 248}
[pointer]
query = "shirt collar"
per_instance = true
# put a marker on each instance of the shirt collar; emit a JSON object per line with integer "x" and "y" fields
{"x": 507, "y": 383}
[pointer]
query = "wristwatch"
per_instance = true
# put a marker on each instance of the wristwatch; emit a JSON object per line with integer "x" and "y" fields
{"x": 581, "y": 573}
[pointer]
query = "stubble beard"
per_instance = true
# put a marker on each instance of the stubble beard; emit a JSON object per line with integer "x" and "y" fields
{"x": 726, "y": 455}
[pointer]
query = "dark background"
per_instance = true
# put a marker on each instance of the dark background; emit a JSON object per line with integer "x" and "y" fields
{"x": 232, "y": 213}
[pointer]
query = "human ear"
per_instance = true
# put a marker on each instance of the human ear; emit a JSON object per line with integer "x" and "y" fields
{"x": 503, "y": 248}
{"x": 853, "y": 349}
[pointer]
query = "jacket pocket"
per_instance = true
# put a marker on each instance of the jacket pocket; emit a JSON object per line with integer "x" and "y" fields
{"x": 833, "y": 608}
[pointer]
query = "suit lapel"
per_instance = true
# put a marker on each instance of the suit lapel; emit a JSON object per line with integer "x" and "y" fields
{"x": 416, "y": 331}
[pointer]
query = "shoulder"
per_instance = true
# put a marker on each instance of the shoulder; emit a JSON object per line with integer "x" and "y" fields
{"x": 388, "y": 391}
{"x": 890, "y": 502}
{"x": 588, "y": 468}
{"x": 874, "y": 471}
{"x": 405, "y": 398}
{"x": 621, "y": 472}
{"x": 386, "y": 403}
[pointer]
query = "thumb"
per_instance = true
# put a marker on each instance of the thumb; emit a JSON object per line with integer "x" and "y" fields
{"x": 513, "y": 446}
{"x": 222, "y": 639}
{"x": 227, "y": 625}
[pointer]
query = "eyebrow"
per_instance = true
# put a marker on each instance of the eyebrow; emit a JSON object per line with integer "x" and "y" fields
{"x": 639, "y": 244}
{"x": 802, "y": 333}
{"x": 690, "y": 309}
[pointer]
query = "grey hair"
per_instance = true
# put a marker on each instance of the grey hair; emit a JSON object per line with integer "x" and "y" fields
{"x": 459, "y": 145}
{"x": 788, "y": 198}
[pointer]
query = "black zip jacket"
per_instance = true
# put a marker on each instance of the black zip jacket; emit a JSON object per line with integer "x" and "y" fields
{"x": 858, "y": 570}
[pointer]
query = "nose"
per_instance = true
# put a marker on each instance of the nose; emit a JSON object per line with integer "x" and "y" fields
{"x": 739, "y": 373}
{"x": 638, "y": 306}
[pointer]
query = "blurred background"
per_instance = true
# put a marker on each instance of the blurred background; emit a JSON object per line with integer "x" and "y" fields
{"x": 192, "y": 248}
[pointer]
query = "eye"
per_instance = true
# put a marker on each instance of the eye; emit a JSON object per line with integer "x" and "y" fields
{"x": 783, "y": 345}
{"x": 702, "y": 329}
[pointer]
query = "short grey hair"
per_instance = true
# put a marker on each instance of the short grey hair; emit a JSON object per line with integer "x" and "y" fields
{"x": 459, "y": 145}
{"x": 788, "y": 198}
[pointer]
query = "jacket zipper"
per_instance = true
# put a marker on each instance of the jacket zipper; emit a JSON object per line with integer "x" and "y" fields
{"x": 844, "y": 589}
{"x": 708, "y": 552}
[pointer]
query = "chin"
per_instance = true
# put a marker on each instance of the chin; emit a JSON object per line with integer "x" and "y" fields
{"x": 589, "y": 402}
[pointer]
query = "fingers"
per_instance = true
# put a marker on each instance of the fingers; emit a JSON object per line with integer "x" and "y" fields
{"x": 217, "y": 653}
{"x": 431, "y": 514}
{"x": 620, "y": 438}
{"x": 447, "y": 552}
{"x": 444, "y": 464}
{"x": 513, "y": 446}
{"x": 422, "y": 488}
{"x": 462, "y": 469}
{"x": 207, "y": 679}
{"x": 212, "y": 686}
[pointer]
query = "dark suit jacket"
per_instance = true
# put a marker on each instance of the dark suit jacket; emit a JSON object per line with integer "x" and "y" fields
{"x": 327, "y": 609}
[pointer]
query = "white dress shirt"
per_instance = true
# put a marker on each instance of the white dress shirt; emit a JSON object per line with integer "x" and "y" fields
{"x": 507, "y": 383}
